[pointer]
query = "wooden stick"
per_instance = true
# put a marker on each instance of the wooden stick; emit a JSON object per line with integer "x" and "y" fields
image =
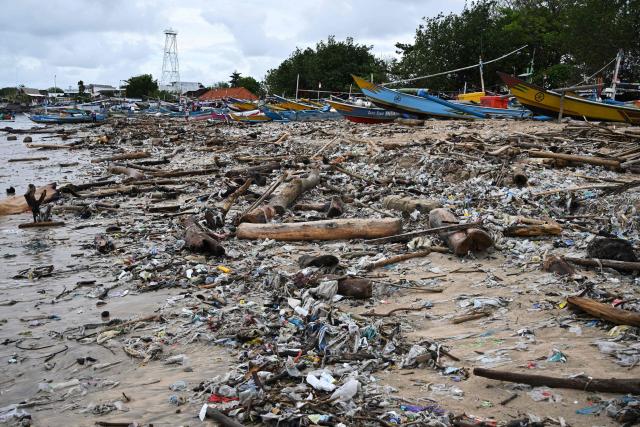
{"x": 592, "y": 160}
{"x": 597, "y": 262}
{"x": 27, "y": 159}
{"x": 125, "y": 156}
{"x": 528, "y": 230}
{"x": 605, "y": 385}
{"x": 41, "y": 224}
{"x": 467, "y": 317}
{"x": 460, "y": 242}
{"x": 403, "y": 257}
{"x": 405, "y": 237}
{"x": 605, "y": 311}
{"x": 337, "y": 229}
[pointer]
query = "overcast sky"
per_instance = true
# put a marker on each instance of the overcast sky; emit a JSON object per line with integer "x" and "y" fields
{"x": 106, "y": 41}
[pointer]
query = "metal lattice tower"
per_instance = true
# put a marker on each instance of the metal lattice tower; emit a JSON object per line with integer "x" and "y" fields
{"x": 170, "y": 67}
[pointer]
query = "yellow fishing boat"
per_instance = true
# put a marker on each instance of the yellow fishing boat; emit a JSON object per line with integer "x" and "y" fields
{"x": 287, "y": 104}
{"x": 241, "y": 106}
{"x": 547, "y": 103}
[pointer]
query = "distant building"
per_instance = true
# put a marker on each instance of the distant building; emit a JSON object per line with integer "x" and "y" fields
{"x": 96, "y": 90}
{"x": 230, "y": 92}
{"x": 35, "y": 95}
{"x": 181, "y": 87}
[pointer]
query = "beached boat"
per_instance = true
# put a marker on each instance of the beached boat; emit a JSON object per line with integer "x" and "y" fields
{"x": 66, "y": 116}
{"x": 240, "y": 105}
{"x": 479, "y": 111}
{"x": 7, "y": 117}
{"x": 254, "y": 116}
{"x": 288, "y": 104}
{"x": 542, "y": 101}
{"x": 310, "y": 115}
{"x": 208, "y": 115}
{"x": 406, "y": 103}
{"x": 361, "y": 114}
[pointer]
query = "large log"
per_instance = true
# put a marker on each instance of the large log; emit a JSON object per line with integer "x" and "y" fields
{"x": 337, "y": 229}
{"x": 18, "y": 204}
{"x": 405, "y": 237}
{"x": 599, "y": 161}
{"x": 605, "y": 311}
{"x": 290, "y": 192}
{"x": 530, "y": 230}
{"x": 605, "y": 385}
{"x": 460, "y": 242}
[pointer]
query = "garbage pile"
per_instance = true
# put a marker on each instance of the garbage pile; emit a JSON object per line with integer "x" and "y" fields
{"x": 350, "y": 275}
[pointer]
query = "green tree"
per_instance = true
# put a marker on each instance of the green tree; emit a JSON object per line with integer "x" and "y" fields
{"x": 567, "y": 39}
{"x": 141, "y": 86}
{"x": 220, "y": 85}
{"x": 81, "y": 88}
{"x": 235, "y": 76}
{"x": 55, "y": 90}
{"x": 331, "y": 63}
{"x": 251, "y": 84}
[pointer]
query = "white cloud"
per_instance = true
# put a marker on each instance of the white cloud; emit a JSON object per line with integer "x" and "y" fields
{"x": 104, "y": 42}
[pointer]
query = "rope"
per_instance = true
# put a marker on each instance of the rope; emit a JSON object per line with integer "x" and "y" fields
{"x": 597, "y": 72}
{"x": 480, "y": 64}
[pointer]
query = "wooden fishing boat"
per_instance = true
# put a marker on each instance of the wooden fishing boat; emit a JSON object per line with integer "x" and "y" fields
{"x": 479, "y": 111}
{"x": 255, "y": 116}
{"x": 288, "y": 104}
{"x": 546, "y": 102}
{"x": 310, "y": 115}
{"x": 406, "y": 103}
{"x": 240, "y": 105}
{"x": 360, "y": 114}
{"x": 7, "y": 117}
{"x": 208, "y": 115}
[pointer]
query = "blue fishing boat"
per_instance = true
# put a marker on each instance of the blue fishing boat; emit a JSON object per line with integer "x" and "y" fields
{"x": 404, "y": 103}
{"x": 362, "y": 114}
{"x": 67, "y": 116}
{"x": 479, "y": 111}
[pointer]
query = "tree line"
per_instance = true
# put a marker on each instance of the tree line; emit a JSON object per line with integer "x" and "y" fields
{"x": 566, "y": 41}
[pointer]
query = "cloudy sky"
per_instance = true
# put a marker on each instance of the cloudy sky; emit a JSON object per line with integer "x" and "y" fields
{"x": 106, "y": 41}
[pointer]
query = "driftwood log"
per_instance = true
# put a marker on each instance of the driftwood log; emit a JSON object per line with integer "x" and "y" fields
{"x": 531, "y": 230}
{"x": 403, "y": 257}
{"x": 283, "y": 199}
{"x": 410, "y": 204}
{"x": 591, "y": 160}
{"x": 605, "y": 385}
{"x": 355, "y": 287}
{"x": 460, "y": 242}
{"x": 18, "y": 204}
{"x": 605, "y": 311}
{"x": 130, "y": 172}
{"x": 337, "y": 229}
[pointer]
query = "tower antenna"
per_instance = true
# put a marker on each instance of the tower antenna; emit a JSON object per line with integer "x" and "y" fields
{"x": 170, "y": 67}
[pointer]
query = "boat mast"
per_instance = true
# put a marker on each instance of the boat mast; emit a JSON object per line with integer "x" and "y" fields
{"x": 481, "y": 75}
{"x": 615, "y": 74}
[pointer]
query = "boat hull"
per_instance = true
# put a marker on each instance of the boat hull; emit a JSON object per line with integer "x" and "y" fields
{"x": 54, "y": 119}
{"x": 542, "y": 101}
{"x": 405, "y": 103}
{"x": 358, "y": 114}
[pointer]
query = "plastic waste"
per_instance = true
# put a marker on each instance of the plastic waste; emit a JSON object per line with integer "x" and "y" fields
{"x": 325, "y": 382}
{"x": 347, "y": 391}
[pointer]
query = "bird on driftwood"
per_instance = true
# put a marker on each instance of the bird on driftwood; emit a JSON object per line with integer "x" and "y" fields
{"x": 34, "y": 203}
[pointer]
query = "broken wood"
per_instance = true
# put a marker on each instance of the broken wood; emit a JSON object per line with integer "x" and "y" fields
{"x": 403, "y": 257}
{"x": 337, "y": 229}
{"x": 405, "y": 237}
{"x": 34, "y": 202}
{"x": 605, "y": 385}
{"x": 409, "y": 122}
{"x": 460, "y": 242}
{"x": 556, "y": 264}
{"x": 41, "y": 224}
{"x": 468, "y": 317}
{"x": 597, "y": 262}
{"x": 292, "y": 190}
{"x": 336, "y": 207}
{"x": 200, "y": 240}
{"x": 605, "y": 311}
{"x": 530, "y": 230}
{"x": 592, "y": 160}
{"x": 355, "y": 287}
{"x": 519, "y": 177}
{"x": 125, "y": 156}
{"x": 410, "y": 204}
